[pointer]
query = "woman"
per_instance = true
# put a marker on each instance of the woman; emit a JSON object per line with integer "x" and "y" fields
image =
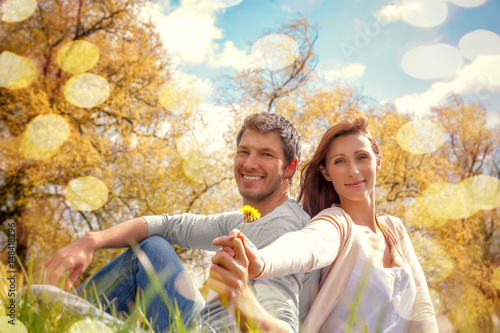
{"x": 371, "y": 278}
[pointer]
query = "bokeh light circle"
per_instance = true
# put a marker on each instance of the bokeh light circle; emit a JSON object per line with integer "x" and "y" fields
{"x": 435, "y": 262}
{"x": 442, "y": 202}
{"x": 420, "y": 136}
{"x": 86, "y": 193}
{"x": 448, "y": 201}
{"x": 178, "y": 99}
{"x": 77, "y": 56}
{"x": 17, "y": 10}
{"x": 186, "y": 143}
{"x": 436, "y": 301}
{"x": 204, "y": 169}
{"x": 89, "y": 326}
{"x": 424, "y": 13}
{"x": 16, "y": 72}
{"x": 274, "y": 52}
{"x": 479, "y": 42}
{"x": 441, "y": 60}
{"x": 86, "y": 90}
{"x": 5, "y": 326}
{"x": 403, "y": 304}
{"x": 226, "y": 3}
{"x": 203, "y": 148}
{"x": 44, "y": 136}
{"x": 484, "y": 191}
{"x": 411, "y": 63}
{"x": 201, "y": 165}
{"x": 439, "y": 203}
{"x": 432, "y": 61}
{"x": 185, "y": 287}
{"x": 467, "y": 3}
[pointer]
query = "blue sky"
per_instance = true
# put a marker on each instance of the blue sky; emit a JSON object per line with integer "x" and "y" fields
{"x": 410, "y": 53}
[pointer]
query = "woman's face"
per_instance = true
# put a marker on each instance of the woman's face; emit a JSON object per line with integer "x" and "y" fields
{"x": 351, "y": 166}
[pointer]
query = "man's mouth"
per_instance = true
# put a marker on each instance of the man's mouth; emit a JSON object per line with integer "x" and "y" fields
{"x": 250, "y": 178}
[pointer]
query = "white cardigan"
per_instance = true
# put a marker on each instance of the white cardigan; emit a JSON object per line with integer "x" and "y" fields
{"x": 328, "y": 242}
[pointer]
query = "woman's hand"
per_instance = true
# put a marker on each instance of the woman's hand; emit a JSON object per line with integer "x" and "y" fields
{"x": 229, "y": 278}
{"x": 255, "y": 264}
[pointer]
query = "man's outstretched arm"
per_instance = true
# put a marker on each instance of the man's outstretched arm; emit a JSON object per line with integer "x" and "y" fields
{"x": 76, "y": 257}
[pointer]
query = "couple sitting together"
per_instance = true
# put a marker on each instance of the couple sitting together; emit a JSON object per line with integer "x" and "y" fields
{"x": 347, "y": 268}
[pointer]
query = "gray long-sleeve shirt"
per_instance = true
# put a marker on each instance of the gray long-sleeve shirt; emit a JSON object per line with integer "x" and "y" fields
{"x": 279, "y": 296}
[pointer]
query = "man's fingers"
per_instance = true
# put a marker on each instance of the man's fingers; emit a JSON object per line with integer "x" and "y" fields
{"x": 220, "y": 288}
{"x": 222, "y": 258}
{"x": 51, "y": 276}
{"x": 228, "y": 250}
{"x": 73, "y": 276}
{"x": 226, "y": 240}
{"x": 224, "y": 283}
{"x": 48, "y": 262}
{"x": 55, "y": 269}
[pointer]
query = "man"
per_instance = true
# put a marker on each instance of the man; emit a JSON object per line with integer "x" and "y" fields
{"x": 268, "y": 152}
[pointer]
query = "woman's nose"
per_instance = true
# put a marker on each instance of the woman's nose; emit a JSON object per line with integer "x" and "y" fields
{"x": 353, "y": 169}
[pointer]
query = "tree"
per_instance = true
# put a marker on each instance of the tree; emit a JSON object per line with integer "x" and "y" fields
{"x": 446, "y": 197}
{"x": 468, "y": 295}
{"x": 127, "y": 142}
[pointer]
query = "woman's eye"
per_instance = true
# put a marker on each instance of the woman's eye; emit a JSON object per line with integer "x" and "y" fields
{"x": 338, "y": 161}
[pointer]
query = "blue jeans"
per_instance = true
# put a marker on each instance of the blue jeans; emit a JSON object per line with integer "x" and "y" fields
{"x": 165, "y": 293}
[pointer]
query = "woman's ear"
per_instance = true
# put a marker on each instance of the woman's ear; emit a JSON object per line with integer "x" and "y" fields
{"x": 379, "y": 164}
{"x": 325, "y": 173}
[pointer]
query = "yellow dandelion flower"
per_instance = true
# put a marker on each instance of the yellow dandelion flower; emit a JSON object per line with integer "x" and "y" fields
{"x": 249, "y": 214}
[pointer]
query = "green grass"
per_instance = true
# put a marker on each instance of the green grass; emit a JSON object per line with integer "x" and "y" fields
{"x": 52, "y": 317}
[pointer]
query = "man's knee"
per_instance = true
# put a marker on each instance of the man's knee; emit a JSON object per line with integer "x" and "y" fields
{"x": 155, "y": 244}
{"x": 159, "y": 253}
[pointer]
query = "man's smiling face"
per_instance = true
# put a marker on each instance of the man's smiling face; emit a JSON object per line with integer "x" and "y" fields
{"x": 259, "y": 165}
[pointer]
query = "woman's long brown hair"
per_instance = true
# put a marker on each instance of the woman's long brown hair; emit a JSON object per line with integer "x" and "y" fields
{"x": 316, "y": 192}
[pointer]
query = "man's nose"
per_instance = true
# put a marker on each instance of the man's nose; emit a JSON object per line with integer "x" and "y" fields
{"x": 251, "y": 162}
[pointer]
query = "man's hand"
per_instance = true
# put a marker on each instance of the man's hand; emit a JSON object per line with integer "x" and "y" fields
{"x": 74, "y": 258}
{"x": 77, "y": 256}
{"x": 255, "y": 264}
{"x": 229, "y": 278}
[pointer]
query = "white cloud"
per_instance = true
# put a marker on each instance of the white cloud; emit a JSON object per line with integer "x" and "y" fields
{"x": 189, "y": 31}
{"x": 231, "y": 56}
{"x": 390, "y": 13}
{"x": 480, "y": 78}
{"x": 420, "y": 13}
{"x": 300, "y": 6}
{"x": 201, "y": 87}
{"x": 349, "y": 73}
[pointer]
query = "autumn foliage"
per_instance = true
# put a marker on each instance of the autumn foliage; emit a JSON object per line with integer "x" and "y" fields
{"x": 134, "y": 144}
